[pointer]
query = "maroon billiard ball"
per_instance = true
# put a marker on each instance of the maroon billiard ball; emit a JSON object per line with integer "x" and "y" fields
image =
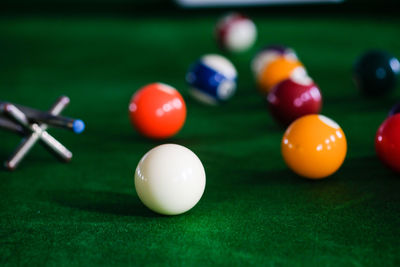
{"x": 395, "y": 109}
{"x": 387, "y": 142}
{"x": 294, "y": 98}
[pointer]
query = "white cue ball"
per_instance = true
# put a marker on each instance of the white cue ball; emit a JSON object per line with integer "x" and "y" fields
{"x": 170, "y": 179}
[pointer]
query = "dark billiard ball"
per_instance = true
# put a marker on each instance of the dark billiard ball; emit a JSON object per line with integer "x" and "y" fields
{"x": 375, "y": 72}
{"x": 280, "y": 49}
{"x": 387, "y": 142}
{"x": 395, "y": 109}
{"x": 292, "y": 99}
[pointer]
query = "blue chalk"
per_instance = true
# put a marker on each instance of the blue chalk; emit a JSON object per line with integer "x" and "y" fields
{"x": 78, "y": 126}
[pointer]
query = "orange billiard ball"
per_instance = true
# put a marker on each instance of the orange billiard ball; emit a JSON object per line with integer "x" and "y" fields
{"x": 314, "y": 146}
{"x": 157, "y": 111}
{"x": 278, "y": 70}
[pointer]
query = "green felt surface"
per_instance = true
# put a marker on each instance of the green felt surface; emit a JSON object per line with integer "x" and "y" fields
{"x": 254, "y": 210}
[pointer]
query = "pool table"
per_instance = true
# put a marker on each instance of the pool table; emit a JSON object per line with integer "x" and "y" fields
{"x": 254, "y": 211}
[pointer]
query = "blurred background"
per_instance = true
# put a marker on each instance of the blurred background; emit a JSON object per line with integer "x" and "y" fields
{"x": 100, "y": 52}
{"x": 126, "y": 6}
{"x": 66, "y": 46}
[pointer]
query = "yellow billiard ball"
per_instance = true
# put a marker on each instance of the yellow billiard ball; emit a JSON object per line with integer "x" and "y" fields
{"x": 277, "y": 71}
{"x": 314, "y": 146}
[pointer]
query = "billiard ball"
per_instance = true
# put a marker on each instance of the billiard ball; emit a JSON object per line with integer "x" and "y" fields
{"x": 375, "y": 72}
{"x": 278, "y": 70}
{"x": 212, "y": 79}
{"x": 294, "y": 98}
{"x": 314, "y": 146}
{"x": 157, "y": 111}
{"x": 395, "y": 109}
{"x": 235, "y": 32}
{"x": 270, "y": 53}
{"x": 170, "y": 179}
{"x": 387, "y": 142}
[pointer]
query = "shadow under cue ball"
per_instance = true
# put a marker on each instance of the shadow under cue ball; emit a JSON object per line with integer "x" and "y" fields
{"x": 376, "y": 73}
{"x": 170, "y": 179}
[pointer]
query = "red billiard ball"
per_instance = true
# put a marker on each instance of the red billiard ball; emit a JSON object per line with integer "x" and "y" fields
{"x": 157, "y": 111}
{"x": 387, "y": 142}
{"x": 294, "y": 98}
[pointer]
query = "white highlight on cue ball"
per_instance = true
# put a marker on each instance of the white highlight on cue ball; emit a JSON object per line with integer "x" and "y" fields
{"x": 170, "y": 179}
